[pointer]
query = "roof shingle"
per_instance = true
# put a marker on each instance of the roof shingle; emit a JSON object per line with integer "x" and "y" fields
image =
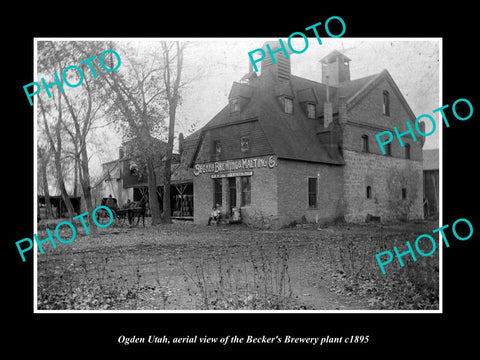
{"x": 292, "y": 136}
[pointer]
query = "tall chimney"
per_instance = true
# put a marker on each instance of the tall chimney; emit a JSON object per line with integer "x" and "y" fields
{"x": 282, "y": 66}
{"x": 342, "y": 110}
{"x": 327, "y": 109}
{"x": 328, "y": 89}
{"x": 327, "y": 114}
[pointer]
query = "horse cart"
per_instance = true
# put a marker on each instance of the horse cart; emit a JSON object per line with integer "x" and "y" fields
{"x": 120, "y": 214}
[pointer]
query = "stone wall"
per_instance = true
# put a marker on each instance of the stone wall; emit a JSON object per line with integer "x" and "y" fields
{"x": 386, "y": 176}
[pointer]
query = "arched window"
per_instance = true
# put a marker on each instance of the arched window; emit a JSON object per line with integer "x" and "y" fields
{"x": 386, "y": 103}
{"x": 369, "y": 192}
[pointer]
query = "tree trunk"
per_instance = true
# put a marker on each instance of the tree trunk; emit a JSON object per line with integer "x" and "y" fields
{"x": 167, "y": 211}
{"x": 75, "y": 179}
{"x": 168, "y": 167}
{"x": 87, "y": 193}
{"x": 63, "y": 190}
{"x": 57, "y": 151}
{"x": 172, "y": 98}
{"x": 46, "y": 192}
{"x": 152, "y": 192}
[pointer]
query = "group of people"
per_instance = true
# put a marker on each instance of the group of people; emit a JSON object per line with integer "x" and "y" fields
{"x": 216, "y": 214}
{"x": 112, "y": 203}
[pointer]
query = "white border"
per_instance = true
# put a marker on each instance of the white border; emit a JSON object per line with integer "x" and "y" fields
{"x": 366, "y": 311}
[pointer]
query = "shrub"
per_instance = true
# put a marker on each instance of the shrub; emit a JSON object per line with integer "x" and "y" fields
{"x": 259, "y": 280}
{"x": 81, "y": 287}
{"x": 355, "y": 271}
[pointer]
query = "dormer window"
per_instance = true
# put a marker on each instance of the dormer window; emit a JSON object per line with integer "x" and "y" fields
{"x": 244, "y": 143}
{"x": 234, "y": 105}
{"x": 311, "y": 111}
{"x": 288, "y": 105}
{"x": 218, "y": 147}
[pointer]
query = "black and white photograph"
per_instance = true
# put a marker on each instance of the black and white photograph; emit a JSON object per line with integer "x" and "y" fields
{"x": 223, "y": 188}
{"x": 199, "y": 179}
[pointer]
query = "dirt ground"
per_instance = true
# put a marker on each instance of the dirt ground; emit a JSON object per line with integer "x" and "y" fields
{"x": 184, "y": 266}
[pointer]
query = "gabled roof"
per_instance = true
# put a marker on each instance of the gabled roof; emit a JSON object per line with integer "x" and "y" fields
{"x": 370, "y": 85}
{"x": 351, "y": 88}
{"x": 240, "y": 89}
{"x": 294, "y": 136}
{"x": 332, "y": 56}
{"x": 346, "y": 88}
{"x": 290, "y": 136}
{"x": 194, "y": 135}
{"x": 307, "y": 95}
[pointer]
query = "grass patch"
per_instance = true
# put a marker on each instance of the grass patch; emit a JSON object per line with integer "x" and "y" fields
{"x": 179, "y": 267}
{"x": 355, "y": 270}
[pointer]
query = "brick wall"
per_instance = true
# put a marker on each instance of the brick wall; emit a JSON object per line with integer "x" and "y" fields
{"x": 280, "y": 195}
{"x": 387, "y": 177}
{"x": 202, "y": 198}
{"x": 263, "y": 210}
{"x": 368, "y": 111}
{"x": 293, "y": 191}
{"x": 263, "y": 207}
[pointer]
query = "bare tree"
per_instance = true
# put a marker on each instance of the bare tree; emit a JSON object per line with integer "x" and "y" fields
{"x": 136, "y": 99}
{"x": 83, "y": 107}
{"x": 56, "y": 146}
{"x": 172, "y": 74}
{"x": 43, "y": 159}
{"x": 142, "y": 94}
{"x": 75, "y": 112}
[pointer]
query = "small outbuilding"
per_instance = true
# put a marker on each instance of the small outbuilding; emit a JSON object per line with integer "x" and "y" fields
{"x": 431, "y": 185}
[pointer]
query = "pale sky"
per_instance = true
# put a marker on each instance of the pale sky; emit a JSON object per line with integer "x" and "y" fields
{"x": 217, "y": 63}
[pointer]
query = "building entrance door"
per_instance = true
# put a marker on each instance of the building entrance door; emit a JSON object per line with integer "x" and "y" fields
{"x": 232, "y": 188}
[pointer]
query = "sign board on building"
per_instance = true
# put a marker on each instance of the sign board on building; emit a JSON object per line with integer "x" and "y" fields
{"x": 233, "y": 165}
{"x": 232, "y": 174}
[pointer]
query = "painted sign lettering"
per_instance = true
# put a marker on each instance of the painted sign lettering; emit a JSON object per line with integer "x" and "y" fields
{"x": 232, "y": 165}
